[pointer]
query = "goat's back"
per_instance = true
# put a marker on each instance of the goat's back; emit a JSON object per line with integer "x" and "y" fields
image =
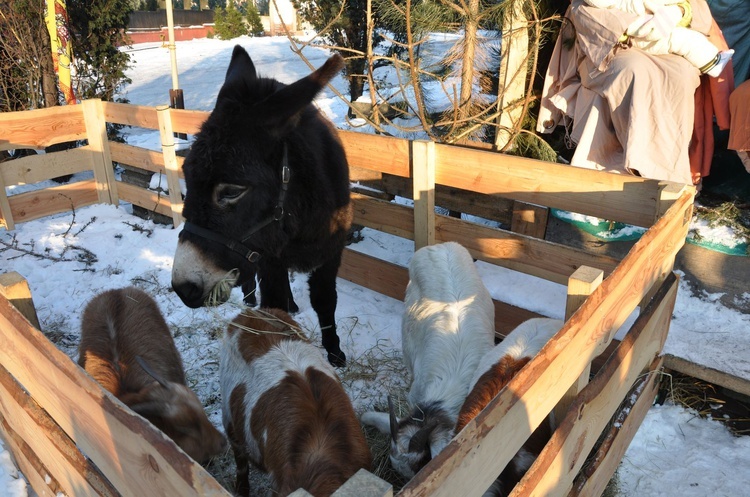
{"x": 449, "y": 320}
{"x": 285, "y": 406}
{"x": 118, "y": 325}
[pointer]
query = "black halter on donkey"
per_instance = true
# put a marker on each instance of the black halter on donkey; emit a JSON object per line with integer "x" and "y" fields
{"x": 242, "y": 216}
{"x": 239, "y": 246}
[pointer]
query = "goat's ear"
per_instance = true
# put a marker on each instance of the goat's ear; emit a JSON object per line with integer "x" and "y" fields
{"x": 379, "y": 420}
{"x": 149, "y": 409}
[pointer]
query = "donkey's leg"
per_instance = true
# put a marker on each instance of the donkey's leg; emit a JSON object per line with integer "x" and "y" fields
{"x": 323, "y": 299}
{"x": 274, "y": 286}
{"x": 249, "y": 290}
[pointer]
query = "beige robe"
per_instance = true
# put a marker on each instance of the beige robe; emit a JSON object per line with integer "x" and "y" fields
{"x": 627, "y": 111}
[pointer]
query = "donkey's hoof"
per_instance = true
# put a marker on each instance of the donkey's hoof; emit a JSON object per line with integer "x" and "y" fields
{"x": 337, "y": 359}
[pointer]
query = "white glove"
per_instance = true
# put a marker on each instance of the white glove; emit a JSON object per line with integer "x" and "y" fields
{"x": 656, "y": 26}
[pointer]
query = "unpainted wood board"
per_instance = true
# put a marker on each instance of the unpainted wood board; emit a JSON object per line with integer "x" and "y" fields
{"x": 608, "y": 458}
{"x": 384, "y": 216}
{"x": 188, "y": 121}
{"x": 41, "y": 128}
{"x": 96, "y": 132}
{"x": 28, "y": 463}
{"x": 529, "y": 219}
{"x": 56, "y": 452}
{"x": 135, "y": 457}
{"x": 529, "y": 255}
{"x": 40, "y": 167}
{"x": 477, "y": 454}
{"x": 140, "y": 116}
{"x": 364, "y": 484}
{"x": 554, "y": 470}
{"x": 709, "y": 374}
{"x": 147, "y": 199}
{"x": 614, "y": 197}
{"x": 142, "y": 158}
{"x": 41, "y": 203}
{"x": 375, "y": 152}
{"x": 15, "y": 288}
{"x": 492, "y": 207}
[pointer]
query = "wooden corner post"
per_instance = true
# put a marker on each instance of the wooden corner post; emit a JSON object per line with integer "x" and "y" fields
{"x": 423, "y": 176}
{"x": 172, "y": 168}
{"x": 96, "y": 132}
{"x": 14, "y": 287}
{"x": 581, "y": 284}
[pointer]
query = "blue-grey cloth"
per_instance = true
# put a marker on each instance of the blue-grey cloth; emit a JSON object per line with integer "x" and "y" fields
{"x": 733, "y": 17}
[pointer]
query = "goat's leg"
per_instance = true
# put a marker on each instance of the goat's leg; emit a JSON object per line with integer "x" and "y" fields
{"x": 275, "y": 291}
{"x": 323, "y": 298}
{"x": 242, "y": 461}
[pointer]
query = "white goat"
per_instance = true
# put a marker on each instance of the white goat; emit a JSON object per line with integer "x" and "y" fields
{"x": 447, "y": 327}
{"x": 494, "y": 372}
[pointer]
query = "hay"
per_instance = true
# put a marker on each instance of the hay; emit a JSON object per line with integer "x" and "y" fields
{"x": 221, "y": 291}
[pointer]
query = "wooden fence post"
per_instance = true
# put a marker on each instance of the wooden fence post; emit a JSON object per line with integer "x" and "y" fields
{"x": 529, "y": 219}
{"x": 96, "y": 133}
{"x": 581, "y": 284}
{"x": 170, "y": 162}
{"x": 423, "y": 176}
{"x": 14, "y": 287}
{"x": 5, "y": 214}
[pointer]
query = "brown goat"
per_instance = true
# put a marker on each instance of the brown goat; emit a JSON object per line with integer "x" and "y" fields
{"x": 284, "y": 408}
{"x": 126, "y": 346}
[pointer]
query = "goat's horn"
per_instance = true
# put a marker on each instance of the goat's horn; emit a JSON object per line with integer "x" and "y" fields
{"x": 140, "y": 360}
{"x": 393, "y": 420}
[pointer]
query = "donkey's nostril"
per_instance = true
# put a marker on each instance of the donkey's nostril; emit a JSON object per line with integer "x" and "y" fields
{"x": 190, "y": 293}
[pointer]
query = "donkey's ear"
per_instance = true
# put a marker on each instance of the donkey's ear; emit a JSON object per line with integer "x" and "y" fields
{"x": 241, "y": 67}
{"x": 280, "y": 107}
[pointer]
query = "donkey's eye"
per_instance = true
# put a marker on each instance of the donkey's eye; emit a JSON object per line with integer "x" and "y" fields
{"x": 226, "y": 194}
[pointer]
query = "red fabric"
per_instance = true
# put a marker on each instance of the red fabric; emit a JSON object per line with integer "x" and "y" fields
{"x": 711, "y": 99}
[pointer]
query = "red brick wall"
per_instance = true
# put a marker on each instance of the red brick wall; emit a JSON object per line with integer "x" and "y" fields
{"x": 180, "y": 34}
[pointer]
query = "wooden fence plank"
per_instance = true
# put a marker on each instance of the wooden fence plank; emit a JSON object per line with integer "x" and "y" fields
{"x": 476, "y": 455}
{"x": 139, "y": 157}
{"x": 529, "y": 219}
{"x": 96, "y": 132}
{"x": 380, "y": 215}
{"x": 149, "y": 200}
{"x": 140, "y": 116}
{"x": 553, "y": 472}
{"x": 610, "y": 196}
{"x": 364, "y": 484}
{"x": 41, "y": 203}
{"x": 594, "y": 480}
{"x": 41, "y": 128}
{"x": 188, "y": 121}
{"x": 376, "y": 152}
{"x": 31, "y": 425}
{"x": 548, "y": 260}
{"x": 28, "y": 462}
{"x": 36, "y": 168}
{"x": 136, "y": 458}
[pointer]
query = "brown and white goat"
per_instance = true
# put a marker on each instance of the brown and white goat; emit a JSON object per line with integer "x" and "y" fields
{"x": 494, "y": 372}
{"x": 126, "y": 346}
{"x": 447, "y": 327}
{"x": 284, "y": 408}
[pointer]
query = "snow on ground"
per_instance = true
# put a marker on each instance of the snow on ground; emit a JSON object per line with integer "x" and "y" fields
{"x": 674, "y": 453}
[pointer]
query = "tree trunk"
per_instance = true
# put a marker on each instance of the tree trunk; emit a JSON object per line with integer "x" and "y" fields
{"x": 467, "y": 68}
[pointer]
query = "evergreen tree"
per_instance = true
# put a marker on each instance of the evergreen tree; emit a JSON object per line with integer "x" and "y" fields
{"x": 346, "y": 29}
{"x": 253, "y": 19}
{"x": 228, "y": 22}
